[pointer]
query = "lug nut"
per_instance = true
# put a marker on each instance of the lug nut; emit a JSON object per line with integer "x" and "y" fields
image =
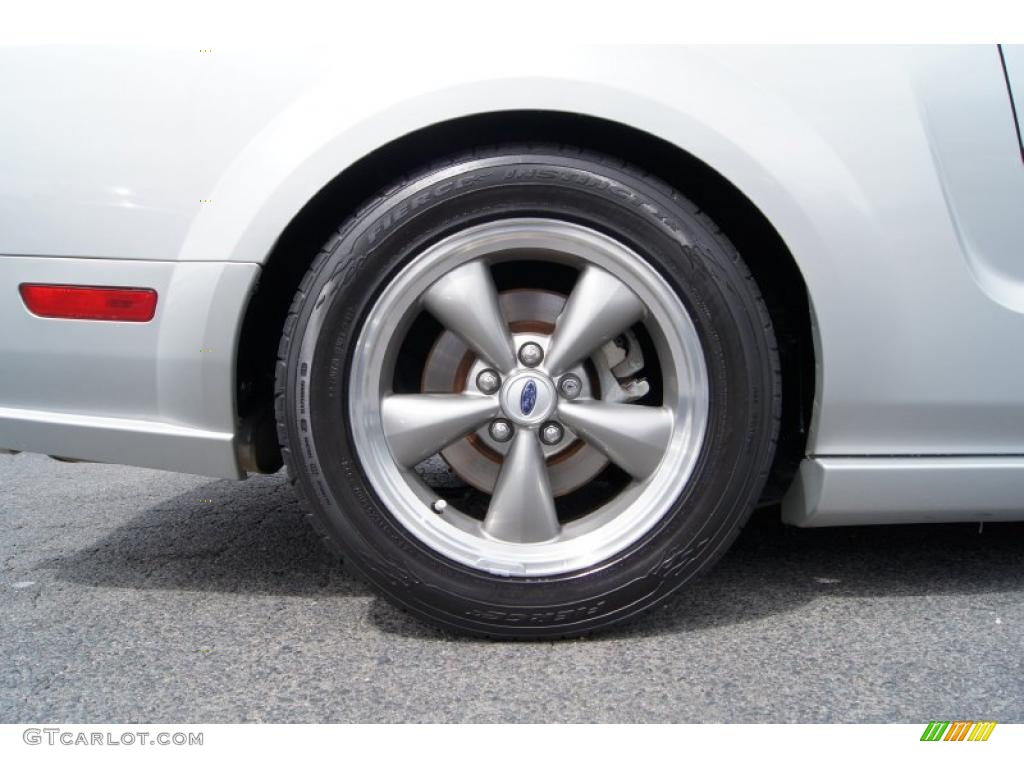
{"x": 570, "y": 386}
{"x": 501, "y": 430}
{"x": 551, "y": 433}
{"x": 488, "y": 381}
{"x": 531, "y": 354}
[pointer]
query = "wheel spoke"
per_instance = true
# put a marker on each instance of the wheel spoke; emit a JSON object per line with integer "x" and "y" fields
{"x": 634, "y": 437}
{"x": 418, "y": 426}
{"x": 522, "y": 508}
{"x": 599, "y": 309}
{"x": 465, "y": 301}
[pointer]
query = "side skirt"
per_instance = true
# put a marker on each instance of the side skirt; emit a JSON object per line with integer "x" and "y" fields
{"x": 884, "y": 490}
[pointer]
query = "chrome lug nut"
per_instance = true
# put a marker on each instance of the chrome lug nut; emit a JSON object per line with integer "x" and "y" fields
{"x": 531, "y": 354}
{"x": 551, "y": 433}
{"x": 488, "y": 381}
{"x": 570, "y": 386}
{"x": 501, "y": 430}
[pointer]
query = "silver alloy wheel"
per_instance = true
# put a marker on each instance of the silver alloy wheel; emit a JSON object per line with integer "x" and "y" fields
{"x": 656, "y": 445}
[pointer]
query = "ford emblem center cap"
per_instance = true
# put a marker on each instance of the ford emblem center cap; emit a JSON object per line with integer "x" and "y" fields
{"x": 528, "y": 398}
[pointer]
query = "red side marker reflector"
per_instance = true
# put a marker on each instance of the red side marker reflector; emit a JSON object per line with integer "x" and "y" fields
{"x": 88, "y": 302}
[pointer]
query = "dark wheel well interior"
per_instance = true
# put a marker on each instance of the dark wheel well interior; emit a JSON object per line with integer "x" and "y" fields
{"x": 759, "y": 244}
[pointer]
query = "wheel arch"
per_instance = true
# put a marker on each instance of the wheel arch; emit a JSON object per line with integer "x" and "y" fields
{"x": 759, "y": 242}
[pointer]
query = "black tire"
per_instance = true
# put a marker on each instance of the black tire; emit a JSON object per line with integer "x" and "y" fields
{"x": 693, "y": 256}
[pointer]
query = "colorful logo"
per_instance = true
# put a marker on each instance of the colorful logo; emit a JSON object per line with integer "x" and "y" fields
{"x": 528, "y": 398}
{"x": 958, "y": 730}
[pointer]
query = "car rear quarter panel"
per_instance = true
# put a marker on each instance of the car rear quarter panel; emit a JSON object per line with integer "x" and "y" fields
{"x": 857, "y": 156}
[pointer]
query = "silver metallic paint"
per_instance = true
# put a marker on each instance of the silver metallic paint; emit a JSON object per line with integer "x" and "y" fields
{"x": 156, "y": 394}
{"x": 936, "y": 489}
{"x": 866, "y": 160}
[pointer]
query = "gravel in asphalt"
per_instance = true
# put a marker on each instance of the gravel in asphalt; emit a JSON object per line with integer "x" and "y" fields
{"x": 133, "y": 595}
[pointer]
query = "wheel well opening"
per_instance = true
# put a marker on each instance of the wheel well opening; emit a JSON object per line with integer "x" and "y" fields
{"x": 761, "y": 247}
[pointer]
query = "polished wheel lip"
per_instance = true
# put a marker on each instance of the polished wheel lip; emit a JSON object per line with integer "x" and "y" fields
{"x": 600, "y": 534}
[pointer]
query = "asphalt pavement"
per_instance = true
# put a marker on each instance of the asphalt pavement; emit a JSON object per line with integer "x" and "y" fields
{"x": 133, "y": 595}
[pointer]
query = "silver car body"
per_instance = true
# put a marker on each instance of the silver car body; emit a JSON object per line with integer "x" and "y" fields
{"x": 893, "y": 175}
